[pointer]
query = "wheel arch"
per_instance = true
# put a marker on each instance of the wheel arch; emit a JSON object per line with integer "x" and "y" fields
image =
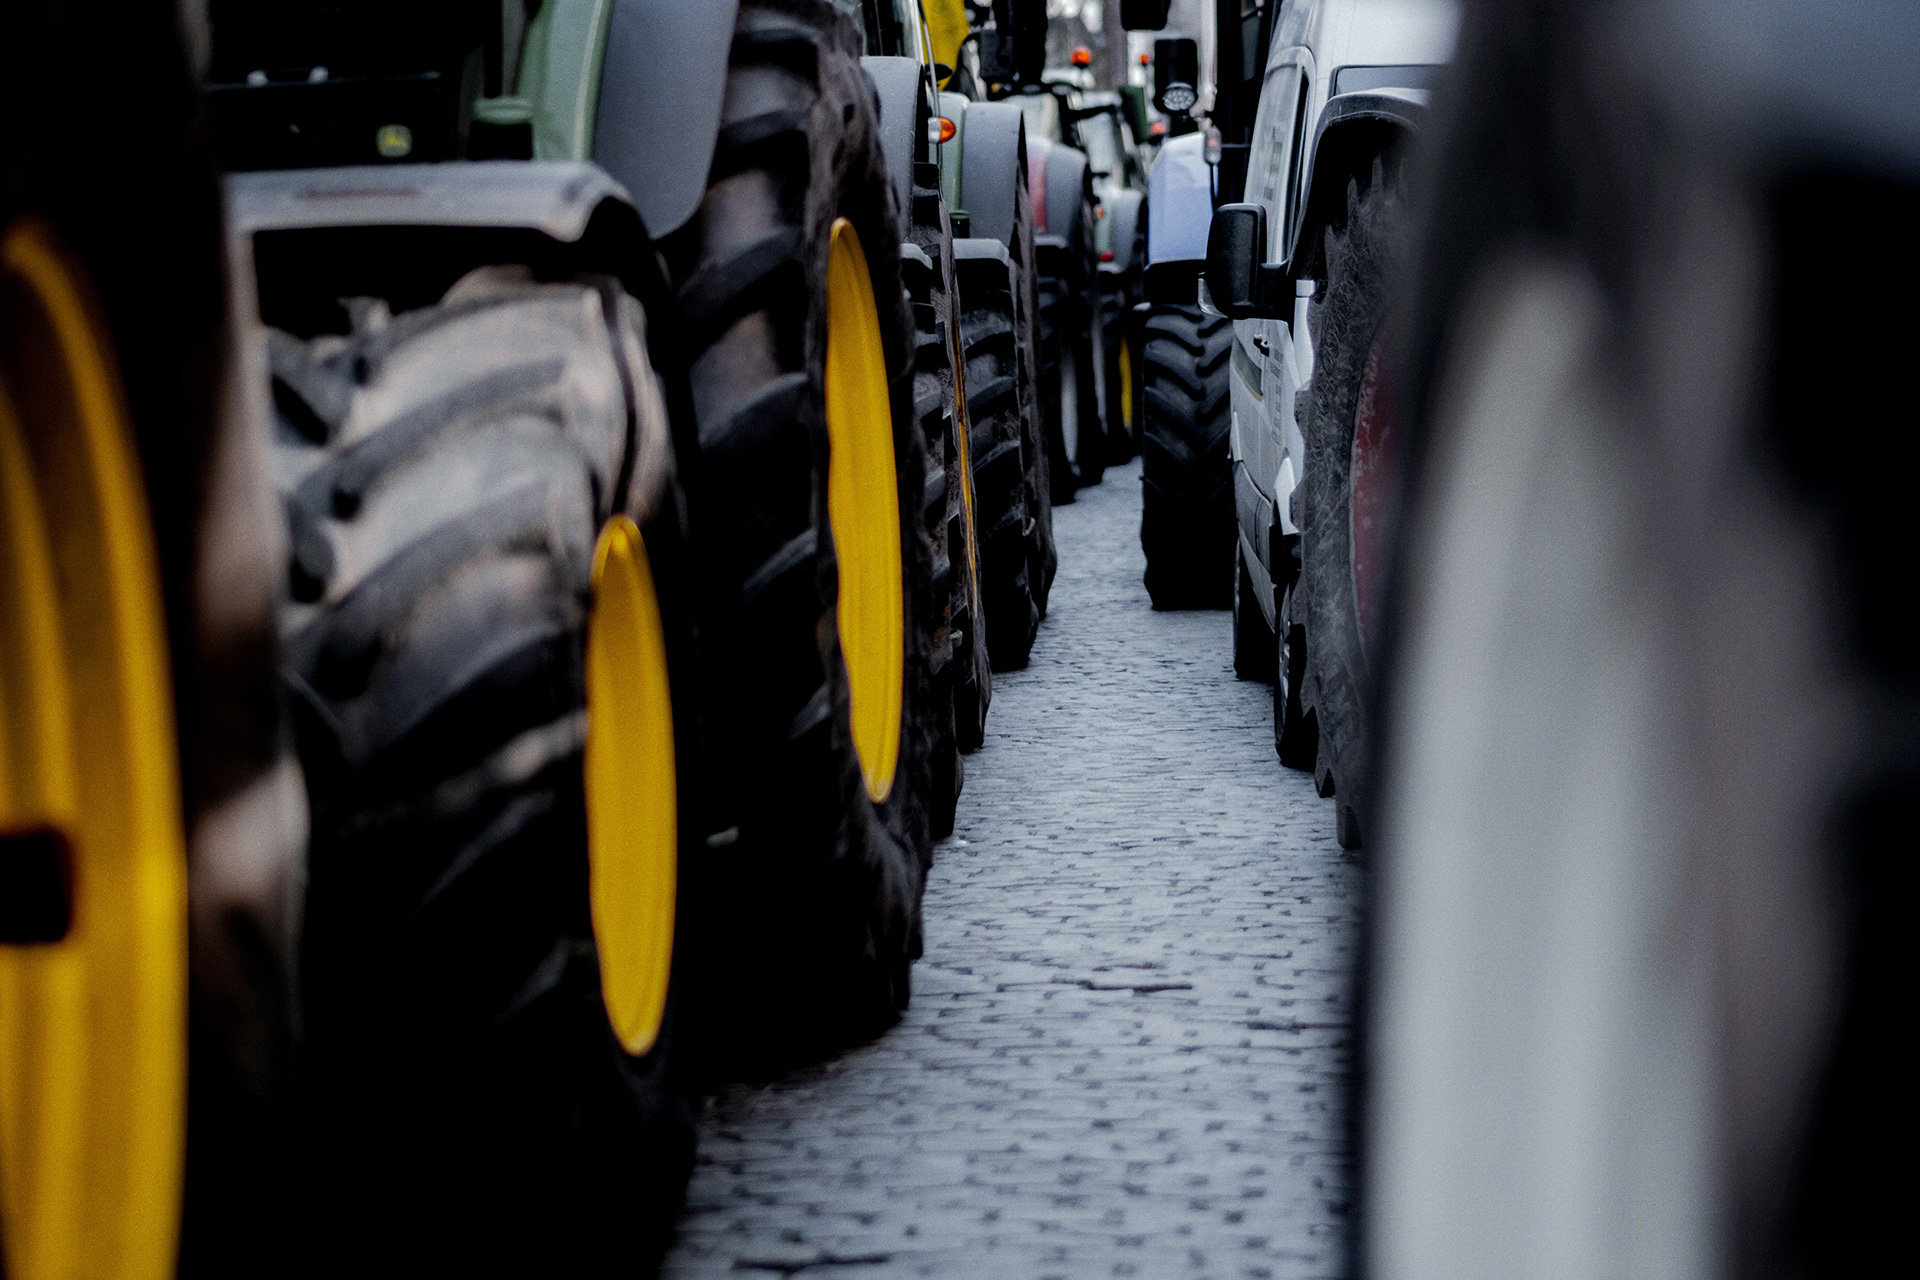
{"x": 993, "y": 167}
{"x": 1354, "y": 129}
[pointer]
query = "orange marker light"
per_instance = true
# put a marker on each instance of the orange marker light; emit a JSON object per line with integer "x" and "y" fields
{"x": 940, "y": 129}
{"x": 1159, "y": 127}
{"x": 1146, "y": 59}
{"x": 1082, "y": 56}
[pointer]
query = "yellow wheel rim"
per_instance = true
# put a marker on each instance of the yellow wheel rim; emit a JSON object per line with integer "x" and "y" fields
{"x": 1126, "y": 384}
{"x": 863, "y": 505}
{"x": 632, "y": 796}
{"x": 93, "y": 1025}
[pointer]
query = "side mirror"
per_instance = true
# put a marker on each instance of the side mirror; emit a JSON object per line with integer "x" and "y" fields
{"x": 1144, "y": 15}
{"x": 1242, "y": 284}
{"x": 1176, "y": 75}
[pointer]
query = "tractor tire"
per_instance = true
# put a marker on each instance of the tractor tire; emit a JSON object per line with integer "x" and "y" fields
{"x": 938, "y": 356}
{"x": 1119, "y": 335}
{"x": 1253, "y": 640}
{"x": 1043, "y": 556}
{"x": 157, "y": 518}
{"x": 1347, "y": 327}
{"x": 1070, "y": 346}
{"x": 1186, "y": 478}
{"x": 996, "y": 408}
{"x": 445, "y": 474}
{"x": 808, "y": 893}
{"x": 933, "y": 409}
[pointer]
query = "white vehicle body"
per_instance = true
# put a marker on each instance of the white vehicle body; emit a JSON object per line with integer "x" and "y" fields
{"x": 1362, "y": 45}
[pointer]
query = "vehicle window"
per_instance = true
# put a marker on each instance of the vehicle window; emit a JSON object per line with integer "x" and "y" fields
{"x": 1268, "y": 157}
{"x": 1294, "y": 177}
{"x": 1361, "y": 79}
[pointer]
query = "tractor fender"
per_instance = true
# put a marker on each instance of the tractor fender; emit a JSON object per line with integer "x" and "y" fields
{"x": 1353, "y": 129}
{"x": 902, "y": 123}
{"x": 1179, "y": 201}
{"x": 993, "y": 167}
{"x": 661, "y": 82}
{"x": 1067, "y": 185}
{"x": 952, "y": 106}
{"x": 1123, "y": 213}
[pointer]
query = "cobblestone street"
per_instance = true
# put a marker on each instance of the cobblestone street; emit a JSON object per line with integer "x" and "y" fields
{"x": 1128, "y": 1034}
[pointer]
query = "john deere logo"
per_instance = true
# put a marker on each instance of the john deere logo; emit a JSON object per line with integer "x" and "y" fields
{"x": 393, "y": 141}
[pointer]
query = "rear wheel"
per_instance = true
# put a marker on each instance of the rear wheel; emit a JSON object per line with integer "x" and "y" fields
{"x": 990, "y": 334}
{"x": 814, "y": 638}
{"x": 93, "y": 883}
{"x": 484, "y": 648}
{"x": 1348, "y": 476}
{"x": 1070, "y": 344}
{"x": 1186, "y": 516}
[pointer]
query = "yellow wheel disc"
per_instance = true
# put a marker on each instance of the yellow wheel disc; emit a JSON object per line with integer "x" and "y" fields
{"x": 93, "y": 1024}
{"x": 1126, "y": 383}
{"x": 632, "y": 797}
{"x": 863, "y": 503}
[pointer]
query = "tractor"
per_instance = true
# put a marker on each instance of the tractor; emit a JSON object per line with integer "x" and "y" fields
{"x": 516, "y": 488}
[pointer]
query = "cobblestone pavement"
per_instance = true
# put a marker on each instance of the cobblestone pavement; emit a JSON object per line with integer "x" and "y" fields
{"x": 1127, "y": 1037}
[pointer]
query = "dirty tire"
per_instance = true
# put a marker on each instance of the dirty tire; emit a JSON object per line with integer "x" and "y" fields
{"x": 807, "y": 898}
{"x": 972, "y": 676}
{"x": 933, "y": 411}
{"x": 445, "y": 475}
{"x": 1069, "y": 346}
{"x": 1043, "y": 556}
{"x": 1358, "y": 266}
{"x": 990, "y": 338}
{"x": 1186, "y": 512}
{"x": 1253, "y": 641}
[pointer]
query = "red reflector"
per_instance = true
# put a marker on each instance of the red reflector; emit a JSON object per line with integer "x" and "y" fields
{"x": 1145, "y": 59}
{"x": 1106, "y": 255}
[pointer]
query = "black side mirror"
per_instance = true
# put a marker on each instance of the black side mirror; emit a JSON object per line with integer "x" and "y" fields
{"x": 1242, "y": 285}
{"x": 1176, "y": 75}
{"x": 1144, "y": 15}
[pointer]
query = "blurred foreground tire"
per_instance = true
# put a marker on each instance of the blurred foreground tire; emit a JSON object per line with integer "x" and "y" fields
{"x": 1649, "y": 752}
{"x": 140, "y": 552}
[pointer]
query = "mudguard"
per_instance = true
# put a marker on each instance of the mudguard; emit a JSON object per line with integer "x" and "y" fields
{"x": 954, "y": 107}
{"x": 1061, "y": 172}
{"x": 1179, "y": 202}
{"x": 897, "y": 81}
{"x": 993, "y": 155}
{"x": 1124, "y": 209}
{"x": 556, "y": 198}
{"x": 660, "y": 86}
{"x": 1353, "y": 128}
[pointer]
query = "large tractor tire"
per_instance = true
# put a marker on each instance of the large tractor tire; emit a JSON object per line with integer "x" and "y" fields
{"x": 1349, "y": 431}
{"x": 997, "y": 402}
{"x": 151, "y": 817}
{"x": 1070, "y": 351}
{"x": 487, "y": 645}
{"x": 1119, "y": 332}
{"x": 1186, "y": 478}
{"x": 1043, "y": 556}
{"x": 813, "y": 610}
{"x": 940, "y": 405}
